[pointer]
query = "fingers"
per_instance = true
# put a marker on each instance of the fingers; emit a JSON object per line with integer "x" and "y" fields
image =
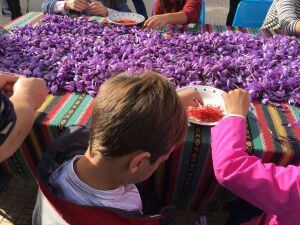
{"x": 8, "y": 77}
{"x": 78, "y": 5}
{"x": 97, "y": 8}
{"x": 198, "y": 101}
{"x": 151, "y": 21}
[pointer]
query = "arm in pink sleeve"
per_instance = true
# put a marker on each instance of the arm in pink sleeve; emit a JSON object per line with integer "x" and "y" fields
{"x": 272, "y": 188}
{"x": 192, "y": 9}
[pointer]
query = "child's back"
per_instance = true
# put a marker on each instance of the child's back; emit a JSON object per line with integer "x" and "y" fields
{"x": 136, "y": 123}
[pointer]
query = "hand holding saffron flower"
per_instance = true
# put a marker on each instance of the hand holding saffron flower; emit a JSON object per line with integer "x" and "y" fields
{"x": 190, "y": 97}
{"x": 237, "y": 102}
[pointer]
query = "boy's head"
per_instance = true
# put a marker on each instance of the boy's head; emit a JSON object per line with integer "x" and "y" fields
{"x": 139, "y": 118}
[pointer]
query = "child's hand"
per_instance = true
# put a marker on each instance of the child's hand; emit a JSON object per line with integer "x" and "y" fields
{"x": 190, "y": 97}
{"x": 33, "y": 89}
{"x": 98, "y": 9}
{"x": 157, "y": 21}
{"x": 237, "y": 102}
{"x": 76, "y": 5}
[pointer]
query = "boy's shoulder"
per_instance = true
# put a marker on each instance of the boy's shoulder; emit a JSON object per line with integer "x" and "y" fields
{"x": 73, "y": 141}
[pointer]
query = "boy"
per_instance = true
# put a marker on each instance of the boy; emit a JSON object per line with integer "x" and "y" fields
{"x": 136, "y": 123}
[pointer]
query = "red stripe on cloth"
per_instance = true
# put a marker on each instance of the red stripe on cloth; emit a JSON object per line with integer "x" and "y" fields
{"x": 267, "y": 33}
{"x": 4, "y": 166}
{"x": 104, "y": 21}
{"x": 56, "y": 107}
{"x": 210, "y": 29}
{"x": 209, "y": 193}
{"x": 13, "y": 21}
{"x": 46, "y": 134}
{"x": 291, "y": 119}
{"x": 173, "y": 173}
{"x": 204, "y": 178}
{"x": 37, "y": 19}
{"x": 229, "y": 28}
{"x": 266, "y": 133}
{"x": 86, "y": 114}
{"x": 28, "y": 157}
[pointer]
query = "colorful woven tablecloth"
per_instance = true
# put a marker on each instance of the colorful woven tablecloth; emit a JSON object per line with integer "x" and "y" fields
{"x": 186, "y": 180}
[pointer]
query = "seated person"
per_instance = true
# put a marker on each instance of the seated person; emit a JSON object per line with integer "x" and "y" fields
{"x": 140, "y": 7}
{"x": 174, "y": 12}
{"x": 271, "y": 188}
{"x": 284, "y": 14}
{"x": 137, "y": 122}
{"x": 87, "y": 7}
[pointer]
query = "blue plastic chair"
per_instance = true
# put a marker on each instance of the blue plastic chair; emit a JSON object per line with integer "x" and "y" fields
{"x": 251, "y": 13}
{"x": 202, "y": 15}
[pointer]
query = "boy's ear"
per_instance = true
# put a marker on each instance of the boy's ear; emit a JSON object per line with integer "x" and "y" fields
{"x": 138, "y": 160}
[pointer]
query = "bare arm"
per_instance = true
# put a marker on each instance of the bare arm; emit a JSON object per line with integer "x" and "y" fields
{"x": 24, "y": 109}
{"x": 28, "y": 95}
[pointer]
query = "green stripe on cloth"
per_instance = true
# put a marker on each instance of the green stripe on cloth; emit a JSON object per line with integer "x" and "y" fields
{"x": 255, "y": 134}
{"x": 199, "y": 166}
{"x": 64, "y": 108}
{"x": 184, "y": 165}
{"x": 80, "y": 109}
{"x": 71, "y": 111}
{"x": 26, "y": 19}
{"x": 296, "y": 112}
{"x": 193, "y": 161}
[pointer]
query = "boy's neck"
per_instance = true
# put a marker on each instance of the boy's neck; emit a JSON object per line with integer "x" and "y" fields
{"x": 98, "y": 173}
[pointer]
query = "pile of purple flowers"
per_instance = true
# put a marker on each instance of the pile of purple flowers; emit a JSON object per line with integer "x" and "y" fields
{"x": 77, "y": 54}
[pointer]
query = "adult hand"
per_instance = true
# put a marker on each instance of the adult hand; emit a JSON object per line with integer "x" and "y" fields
{"x": 76, "y": 5}
{"x": 157, "y": 21}
{"x": 33, "y": 89}
{"x": 190, "y": 97}
{"x": 98, "y": 9}
{"x": 237, "y": 102}
{"x": 7, "y": 81}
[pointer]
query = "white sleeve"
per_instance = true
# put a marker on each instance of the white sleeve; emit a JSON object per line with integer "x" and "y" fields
{"x": 232, "y": 115}
{"x": 59, "y": 7}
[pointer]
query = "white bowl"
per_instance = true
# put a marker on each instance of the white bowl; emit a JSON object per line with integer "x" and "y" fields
{"x": 210, "y": 95}
{"x": 116, "y": 16}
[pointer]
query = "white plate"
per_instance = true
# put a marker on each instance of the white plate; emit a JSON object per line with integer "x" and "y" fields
{"x": 210, "y": 95}
{"x": 116, "y": 16}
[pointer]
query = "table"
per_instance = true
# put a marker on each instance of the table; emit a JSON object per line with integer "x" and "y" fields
{"x": 186, "y": 179}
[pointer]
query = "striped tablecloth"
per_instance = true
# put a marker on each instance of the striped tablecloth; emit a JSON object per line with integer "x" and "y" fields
{"x": 186, "y": 179}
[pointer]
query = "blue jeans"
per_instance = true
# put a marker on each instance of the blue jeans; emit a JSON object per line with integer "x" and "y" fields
{"x": 140, "y": 7}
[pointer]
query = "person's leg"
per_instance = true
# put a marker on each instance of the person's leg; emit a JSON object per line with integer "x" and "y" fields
{"x": 232, "y": 9}
{"x": 140, "y": 7}
{"x": 5, "y": 8}
{"x": 15, "y": 8}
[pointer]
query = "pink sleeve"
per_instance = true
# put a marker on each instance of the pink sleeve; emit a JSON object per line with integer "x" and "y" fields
{"x": 192, "y": 9}
{"x": 157, "y": 9}
{"x": 272, "y": 188}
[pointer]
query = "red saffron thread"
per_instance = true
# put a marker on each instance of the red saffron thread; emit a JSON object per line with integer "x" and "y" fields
{"x": 205, "y": 113}
{"x": 125, "y": 21}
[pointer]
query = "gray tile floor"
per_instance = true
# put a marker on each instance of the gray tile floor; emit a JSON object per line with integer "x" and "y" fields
{"x": 18, "y": 198}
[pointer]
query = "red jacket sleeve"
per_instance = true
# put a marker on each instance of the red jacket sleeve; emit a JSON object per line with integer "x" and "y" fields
{"x": 157, "y": 9}
{"x": 192, "y": 9}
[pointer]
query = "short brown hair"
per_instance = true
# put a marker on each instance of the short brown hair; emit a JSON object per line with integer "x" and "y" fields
{"x": 136, "y": 112}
